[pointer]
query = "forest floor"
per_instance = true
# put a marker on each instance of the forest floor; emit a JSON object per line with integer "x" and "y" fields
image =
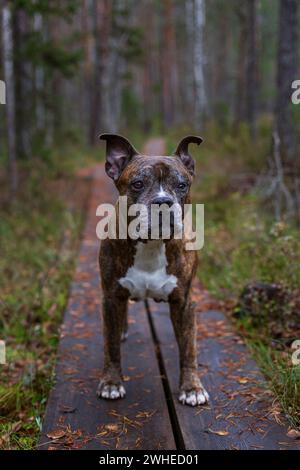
{"x": 40, "y": 233}
{"x": 45, "y": 224}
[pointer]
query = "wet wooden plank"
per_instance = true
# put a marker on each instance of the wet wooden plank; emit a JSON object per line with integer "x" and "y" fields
{"x": 241, "y": 413}
{"x": 141, "y": 420}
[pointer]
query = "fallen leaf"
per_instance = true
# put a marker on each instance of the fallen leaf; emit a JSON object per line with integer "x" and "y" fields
{"x": 102, "y": 433}
{"x": 112, "y": 427}
{"x": 70, "y": 371}
{"x": 67, "y": 409}
{"x": 56, "y": 434}
{"x": 293, "y": 433}
{"x": 243, "y": 381}
{"x": 219, "y": 433}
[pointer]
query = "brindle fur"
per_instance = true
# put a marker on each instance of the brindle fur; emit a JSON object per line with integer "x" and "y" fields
{"x": 116, "y": 256}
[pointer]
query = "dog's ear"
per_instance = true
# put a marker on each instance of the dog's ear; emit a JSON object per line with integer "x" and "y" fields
{"x": 182, "y": 151}
{"x": 119, "y": 152}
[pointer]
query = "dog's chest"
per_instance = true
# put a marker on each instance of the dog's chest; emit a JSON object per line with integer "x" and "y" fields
{"x": 148, "y": 276}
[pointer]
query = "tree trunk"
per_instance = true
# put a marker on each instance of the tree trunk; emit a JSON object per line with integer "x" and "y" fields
{"x": 39, "y": 78}
{"x": 112, "y": 66}
{"x": 286, "y": 74}
{"x": 7, "y": 41}
{"x": 169, "y": 65}
{"x": 240, "y": 112}
{"x": 148, "y": 46}
{"x": 87, "y": 84}
{"x": 199, "y": 61}
{"x": 96, "y": 96}
{"x": 252, "y": 67}
{"x": 219, "y": 72}
{"x": 103, "y": 79}
{"x": 22, "y": 74}
{"x": 189, "y": 79}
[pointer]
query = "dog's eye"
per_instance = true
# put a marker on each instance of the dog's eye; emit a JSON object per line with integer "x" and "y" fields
{"x": 182, "y": 186}
{"x": 137, "y": 185}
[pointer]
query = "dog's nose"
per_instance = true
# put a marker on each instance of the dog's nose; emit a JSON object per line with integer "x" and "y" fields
{"x": 163, "y": 200}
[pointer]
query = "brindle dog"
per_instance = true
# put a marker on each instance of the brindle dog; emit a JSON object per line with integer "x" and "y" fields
{"x": 159, "y": 269}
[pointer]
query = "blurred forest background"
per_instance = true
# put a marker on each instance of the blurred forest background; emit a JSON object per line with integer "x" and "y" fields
{"x": 74, "y": 68}
{"x": 220, "y": 69}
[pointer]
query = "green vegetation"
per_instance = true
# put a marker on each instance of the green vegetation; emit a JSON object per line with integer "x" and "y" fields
{"x": 275, "y": 363}
{"x": 244, "y": 243}
{"x": 39, "y": 234}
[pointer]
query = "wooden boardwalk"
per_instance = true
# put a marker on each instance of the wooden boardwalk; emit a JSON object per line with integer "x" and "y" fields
{"x": 240, "y": 415}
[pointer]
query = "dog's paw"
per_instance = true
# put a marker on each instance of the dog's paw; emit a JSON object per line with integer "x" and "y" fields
{"x": 111, "y": 392}
{"x": 193, "y": 397}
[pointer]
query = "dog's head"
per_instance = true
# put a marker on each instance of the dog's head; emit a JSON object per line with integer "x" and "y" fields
{"x": 151, "y": 180}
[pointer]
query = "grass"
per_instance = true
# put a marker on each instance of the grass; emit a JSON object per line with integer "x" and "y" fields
{"x": 244, "y": 243}
{"x": 39, "y": 235}
{"x": 281, "y": 374}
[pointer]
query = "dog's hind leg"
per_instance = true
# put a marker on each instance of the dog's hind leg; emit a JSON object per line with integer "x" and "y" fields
{"x": 114, "y": 317}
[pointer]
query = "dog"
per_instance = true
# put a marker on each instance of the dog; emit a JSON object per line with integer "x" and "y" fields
{"x": 159, "y": 269}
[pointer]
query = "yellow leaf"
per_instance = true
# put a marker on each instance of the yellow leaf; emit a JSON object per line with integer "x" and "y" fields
{"x": 219, "y": 433}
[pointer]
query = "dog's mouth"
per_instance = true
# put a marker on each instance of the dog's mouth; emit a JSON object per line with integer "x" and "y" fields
{"x": 163, "y": 230}
{"x": 156, "y": 224}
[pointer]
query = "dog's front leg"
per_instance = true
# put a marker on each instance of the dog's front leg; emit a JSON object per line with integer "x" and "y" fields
{"x": 183, "y": 318}
{"x": 114, "y": 318}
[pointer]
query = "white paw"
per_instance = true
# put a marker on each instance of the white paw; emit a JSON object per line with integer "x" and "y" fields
{"x": 111, "y": 392}
{"x": 193, "y": 398}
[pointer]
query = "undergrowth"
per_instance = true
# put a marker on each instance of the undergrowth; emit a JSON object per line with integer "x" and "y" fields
{"x": 39, "y": 235}
{"x": 243, "y": 244}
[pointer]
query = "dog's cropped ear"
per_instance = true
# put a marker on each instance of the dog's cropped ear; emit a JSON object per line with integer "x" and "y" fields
{"x": 182, "y": 151}
{"x": 119, "y": 152}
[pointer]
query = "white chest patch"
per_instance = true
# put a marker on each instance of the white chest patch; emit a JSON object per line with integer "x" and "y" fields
{"x": 148, "y": 276}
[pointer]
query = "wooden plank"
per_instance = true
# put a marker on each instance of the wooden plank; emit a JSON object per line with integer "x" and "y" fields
{"x": 141, "y": 420}
{"x": 241, "y": 413}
